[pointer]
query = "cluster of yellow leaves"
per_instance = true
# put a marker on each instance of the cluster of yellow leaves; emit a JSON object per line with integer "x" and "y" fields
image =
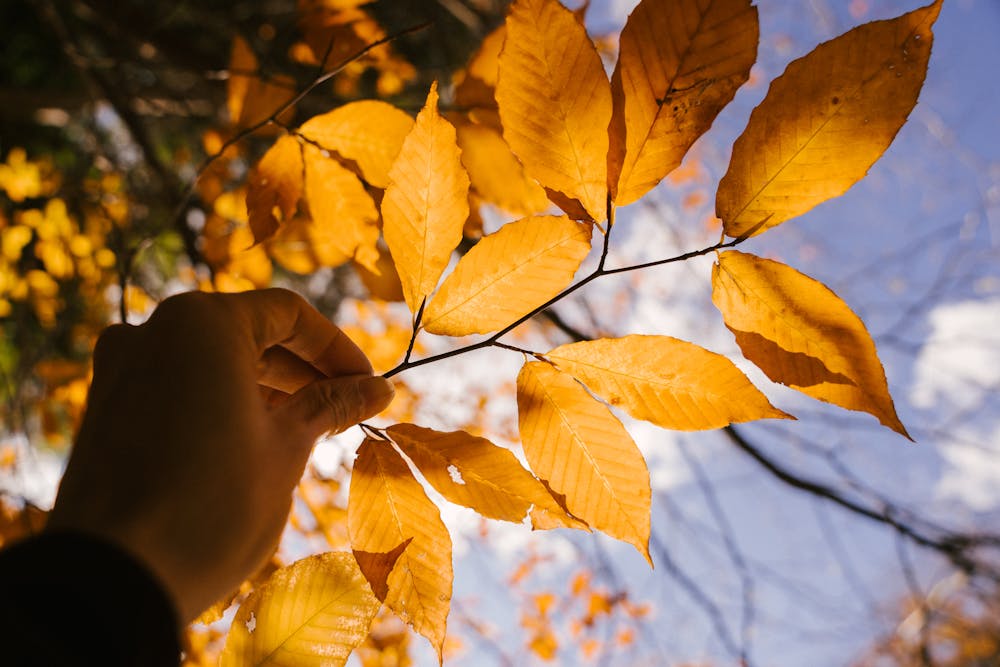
{"x": 590, "y": 615}
{"x": 55, "y": 268}
{"x": 541, "y": 121}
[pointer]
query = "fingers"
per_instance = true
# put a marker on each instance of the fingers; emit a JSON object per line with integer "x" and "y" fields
{"x": 280, "y": 317}
{"x": 335, "y": 405}
{"x": 280, "y": 369}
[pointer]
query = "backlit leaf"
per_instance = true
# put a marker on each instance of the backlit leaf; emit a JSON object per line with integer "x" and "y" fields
{"x": 387, "y": 506}
{"x": 575, "y": 443}
{"x": 496, "y": 173}
{"x": 508, "y": 274}
{"x": 274, "y": 186}
{"x": 426, "y": 204}
{"x": 669, "y": 382}
{"x": 680, "y": 62}
{"x": 313, "y": 612}
{"x": 369, "y": 133}
{"x": 801, "y": 334}
{"x": 249, "y": 98}
{"x": 344, "y": 219}
{"x": 555, "y": 101}
{"x": 825, "y": 121}
{"x": 473, "y": 472}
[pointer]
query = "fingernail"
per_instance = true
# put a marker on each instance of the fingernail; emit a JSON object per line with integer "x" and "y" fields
{"x": 376, "y": 392}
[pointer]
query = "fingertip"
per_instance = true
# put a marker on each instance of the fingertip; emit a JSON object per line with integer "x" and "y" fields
{"x": 377, "y": 393}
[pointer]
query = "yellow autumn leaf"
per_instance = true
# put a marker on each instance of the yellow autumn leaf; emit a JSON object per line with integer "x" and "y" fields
{"x": 368, "y": 133}
{"x": 825, "y": 122}
{"x": 344, "y": 219}
{"x": 426, "y": 203}
{"x": 274, "y": 185}
{"x": 313, "y": 612}
{"x": 249, "y": 98}
{"x": 680, "y": 62}
{"x": 579, "y": 447}
{"x": 496, "y": 174}
{"x": 669, "y": 382}
{"x": 474, "y": 472}
{"x": 508, "y": 274}
{"x": 386, "y": 507}
{"x": 801, "y": 334}
{"x": 383, "y": 284}
{"x": 555, "y": 102}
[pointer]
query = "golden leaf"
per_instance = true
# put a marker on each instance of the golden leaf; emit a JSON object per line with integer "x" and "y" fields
{"x": 274, "y": 184}
{"x": 473, "y": 472}
{"x": 555, "y": 102}
{"x": 344, "y": 219}
{"x": 575, "y": 443}
{"x": 387, "y": 506}
{"x": 801, "y": 334}
{"x": 384, "y": 285}
{"x": 368, "y": 133}
{"x": 314, "y": 611}
{"x": 508, "y": 274}
{"x": 669, "y": 382}
{"x": 250, "y": 99}
{"x": 825, "y": 122}
{"x": 426, "y": 203}
{"x": 496, "y": 174}
{"x": 680, "y": 62}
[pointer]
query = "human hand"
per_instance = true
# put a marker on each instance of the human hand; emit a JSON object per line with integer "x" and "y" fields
{"x": 198, "y": 426}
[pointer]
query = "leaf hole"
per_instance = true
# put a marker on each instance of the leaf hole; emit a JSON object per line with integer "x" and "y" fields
{"x": 251, "y": 623}
{"x": 455, "y": 474}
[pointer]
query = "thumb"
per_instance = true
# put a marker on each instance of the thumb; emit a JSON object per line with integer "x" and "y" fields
{"x": 334, "y": 405}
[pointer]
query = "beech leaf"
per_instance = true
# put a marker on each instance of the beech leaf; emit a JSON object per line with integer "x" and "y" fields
{"x": 508, "y": 274}
{"x": 368, "y": 133}
{"x": 669, "y": 382}
{"x": 274, "y": 184}
{"x": 426, "y": 204}
{"x": 386, "y": 507}
{"x": 315, "y": 611}
{"x": 680, "y": 63}
{"x": 579, "y": 447}
{"x": 344, "y": 219}
{"x": 825, "y": 122}
{"x": 496, "y": 174}
{"x": 474, "y": 472}
{"x": 801, "y": 334}
{"x": 555, "y": 101}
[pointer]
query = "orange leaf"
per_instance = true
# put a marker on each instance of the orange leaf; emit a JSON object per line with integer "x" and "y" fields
{"x": 496, "y": 173}
{"x": 680, "y": 62}
{"x": 318, "y": 610}
{"x": 801, "y": 334}
{"x": 573, "y": 441}
{"x": 555, "y": 101}
{"x": 250, "y": 99}
{"x": 669, "y": 382}
{"x": 508, "y": 274}
{"x": 426, "y": 204}
{"x": 473, "y": 472}
{"x": 368, "y": 133}
{"x": 344, "y": 219}
{"x": 275, "y": 183}
{"x": 387, "y": 506}
{"x": 825, "y": 122}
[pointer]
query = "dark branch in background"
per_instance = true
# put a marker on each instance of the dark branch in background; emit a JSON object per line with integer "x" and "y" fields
{"x": 953, "y": 546}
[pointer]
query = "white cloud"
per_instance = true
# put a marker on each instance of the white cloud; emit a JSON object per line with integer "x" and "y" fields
{"x": 960, "y": 361}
